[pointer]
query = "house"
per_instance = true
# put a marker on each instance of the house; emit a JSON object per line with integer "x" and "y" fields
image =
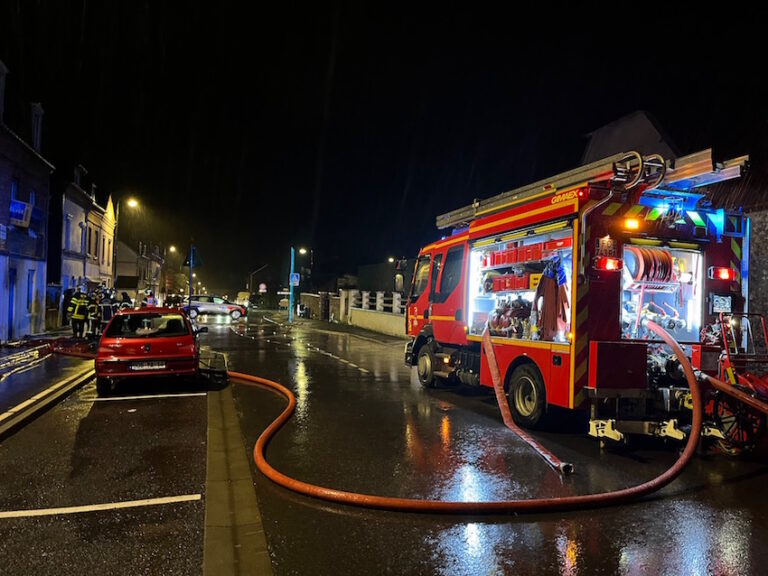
{"x": 24, "y": 198}
{"x": 139, "y": 270}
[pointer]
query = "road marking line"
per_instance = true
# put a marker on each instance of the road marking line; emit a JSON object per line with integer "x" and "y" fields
{"x": 184, "y": 395}
{"x": 364, "y": 371}
{"x": 39, "y": 395}
{"x": 100, "y": 507}
{"x": 24, "y": 368}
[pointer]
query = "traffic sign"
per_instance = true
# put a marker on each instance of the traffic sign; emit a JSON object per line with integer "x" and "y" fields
{"x": 295, "y": 279}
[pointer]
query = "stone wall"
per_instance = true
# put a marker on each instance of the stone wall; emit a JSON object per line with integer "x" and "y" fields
{"x": 382, "y": 322}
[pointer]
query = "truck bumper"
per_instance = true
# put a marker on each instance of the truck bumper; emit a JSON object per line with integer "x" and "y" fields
{"x": 409, "y": 352}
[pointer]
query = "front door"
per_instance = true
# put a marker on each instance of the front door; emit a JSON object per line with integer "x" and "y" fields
{"x": 418, "y": 299}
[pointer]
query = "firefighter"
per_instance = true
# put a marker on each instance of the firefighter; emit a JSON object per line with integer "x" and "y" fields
{"x": 107, "y": 308}
{"x": 94, "y": 315}
{"x": 77, "y": 310}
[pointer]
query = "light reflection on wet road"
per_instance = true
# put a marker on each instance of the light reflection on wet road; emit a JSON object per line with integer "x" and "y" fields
{"x": 363, "y": 423}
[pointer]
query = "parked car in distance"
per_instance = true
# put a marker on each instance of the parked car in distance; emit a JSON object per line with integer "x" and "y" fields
{"x": 205, "y": 304}
{"x": 243, "y": 299}
{"x": 174, "y": 301}
{"x": 143, "y": 342}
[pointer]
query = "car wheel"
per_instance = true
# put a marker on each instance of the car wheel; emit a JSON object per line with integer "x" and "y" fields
{"x": 236, "y": 314}
{"x": 425, "y": 365}
{"x": 104, "y": 387}
{"x": 527, "y": 396}
{"x": 193, "y": 312}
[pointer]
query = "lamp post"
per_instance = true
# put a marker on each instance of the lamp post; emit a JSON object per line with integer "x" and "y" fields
{"x": 250, "y": 278}
{"x": 132, "y": 203}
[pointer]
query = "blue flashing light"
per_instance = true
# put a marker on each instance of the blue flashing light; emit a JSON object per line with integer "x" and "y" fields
{"x": 459, "y": 230}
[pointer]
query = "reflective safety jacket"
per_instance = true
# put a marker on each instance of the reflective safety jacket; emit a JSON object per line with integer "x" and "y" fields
{"x": 93, "y": 310}
{"x": 78, "y": 306}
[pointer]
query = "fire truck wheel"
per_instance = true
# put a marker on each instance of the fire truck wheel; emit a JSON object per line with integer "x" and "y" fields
{"x": 425, "y": 365}
{"x": 527, "y": 397}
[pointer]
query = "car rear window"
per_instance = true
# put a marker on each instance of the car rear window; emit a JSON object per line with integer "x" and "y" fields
{"x": 147, "y": 326}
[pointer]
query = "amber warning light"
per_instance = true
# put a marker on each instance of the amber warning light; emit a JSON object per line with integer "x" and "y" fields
{"x": 721, "y": 273}
{"x": 609, "y": 264}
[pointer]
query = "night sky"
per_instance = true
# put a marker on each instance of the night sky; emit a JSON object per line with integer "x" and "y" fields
{"x": 348, "y": 128}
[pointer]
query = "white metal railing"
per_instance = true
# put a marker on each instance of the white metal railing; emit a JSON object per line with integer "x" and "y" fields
{"x": 391, "y": 302}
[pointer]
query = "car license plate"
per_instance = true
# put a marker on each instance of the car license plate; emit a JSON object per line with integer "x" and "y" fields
{"x": 148, "y": 365}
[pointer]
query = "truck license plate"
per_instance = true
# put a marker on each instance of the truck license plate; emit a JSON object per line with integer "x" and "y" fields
{"x": 148, "y": 365}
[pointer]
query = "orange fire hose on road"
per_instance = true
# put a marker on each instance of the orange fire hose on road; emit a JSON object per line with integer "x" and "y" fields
{"x": 535, "y": 505}
{"x": 506, "y": 415}
{"x": 503, "y": 506}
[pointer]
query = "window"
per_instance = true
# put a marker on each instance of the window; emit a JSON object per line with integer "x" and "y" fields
{"x": 67, "y": 232}
{"x": 14, "y": 189}
{"x": 420, "y": 278}
{"x": 451, "y": 273}
{"x": 103, "y": 243}
{"x": 218, "y": 300}
{"x": 95, "y": 244}
{"x": 436, "y": 263}
{"x": 147, "y": 326}
{"x": 89, "y": 241}
{"x": 30, "y": 289}
{"x": 109, "y": 253}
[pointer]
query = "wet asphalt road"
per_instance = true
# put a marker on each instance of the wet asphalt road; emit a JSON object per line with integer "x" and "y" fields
{"x": 84, "y": 452}
{"x": 364, "y": 424}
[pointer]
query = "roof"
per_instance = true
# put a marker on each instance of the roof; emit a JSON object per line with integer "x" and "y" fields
{"x": 23, "y": 143}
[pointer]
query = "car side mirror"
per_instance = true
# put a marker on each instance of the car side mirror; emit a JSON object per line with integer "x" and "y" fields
{"x": 202, "y": 330}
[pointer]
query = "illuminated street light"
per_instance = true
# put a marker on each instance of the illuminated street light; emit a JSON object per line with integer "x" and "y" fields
{"x": 390, "y": 260}
{"x": 132, "y": 203}
{"x": 194, "y": 275}
{"x": 172, "y": 248}
{"x": 302, "y": 251}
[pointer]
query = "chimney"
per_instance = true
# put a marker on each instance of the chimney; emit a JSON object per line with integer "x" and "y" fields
{"x": 93, "y": 191}
{"x": 80, "y": 171}
{"x": 3, "y": 72}
{"x": 37, "y": 124}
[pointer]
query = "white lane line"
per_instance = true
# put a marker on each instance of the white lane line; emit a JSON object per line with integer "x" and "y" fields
{"x": 110, "y": 399}
{"x": 21, "y": 369}
{"x": 364, "y": 371}
{"x": 36, "y": 397}
{"x": 100, "y": 507}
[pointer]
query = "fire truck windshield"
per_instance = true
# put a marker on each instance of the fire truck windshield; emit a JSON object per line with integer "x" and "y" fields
{"x": 661, "y": 285}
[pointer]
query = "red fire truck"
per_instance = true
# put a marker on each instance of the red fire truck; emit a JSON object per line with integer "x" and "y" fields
{"x": 565, "y": 273}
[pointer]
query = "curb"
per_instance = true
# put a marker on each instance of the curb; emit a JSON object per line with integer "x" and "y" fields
{"x": 19, "y": 414}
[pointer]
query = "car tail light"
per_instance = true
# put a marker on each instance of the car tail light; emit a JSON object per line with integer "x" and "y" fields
{"x": 608, "y": 264}
{"x": 721, "y": 273}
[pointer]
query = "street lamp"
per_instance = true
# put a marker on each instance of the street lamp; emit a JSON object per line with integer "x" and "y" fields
{"x": 391, "y": 260}
{"x": 172, "y": 248}
{"x": 133, "y": 204}
{"x": 250, "y": 278}
{"x": 302, "y": 251}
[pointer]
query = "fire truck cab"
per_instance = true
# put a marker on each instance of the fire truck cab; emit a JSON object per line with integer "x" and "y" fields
{"x": 565, "y": 273}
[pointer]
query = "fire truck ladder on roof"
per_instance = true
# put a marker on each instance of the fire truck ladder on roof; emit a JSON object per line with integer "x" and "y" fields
{"x": 619, "y": 173}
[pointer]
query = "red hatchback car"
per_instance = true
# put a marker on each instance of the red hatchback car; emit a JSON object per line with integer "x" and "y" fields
{"x": 146, "y": 342}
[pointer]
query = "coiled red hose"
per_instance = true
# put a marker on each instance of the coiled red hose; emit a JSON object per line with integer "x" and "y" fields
{"x": 504, "y": 506}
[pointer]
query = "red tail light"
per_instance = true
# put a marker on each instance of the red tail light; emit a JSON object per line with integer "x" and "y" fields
{"x": 608, "y": 264}
{"x": 721, "y": 273}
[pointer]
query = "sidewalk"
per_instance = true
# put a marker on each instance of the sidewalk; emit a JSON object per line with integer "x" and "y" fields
{"x": 30, "y": 390}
